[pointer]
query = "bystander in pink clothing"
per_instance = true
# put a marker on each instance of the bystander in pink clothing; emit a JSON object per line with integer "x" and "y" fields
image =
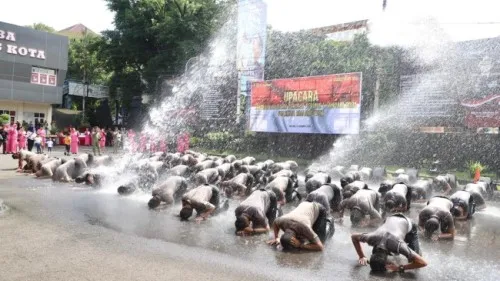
{"x": 87, "y": 137}
{"x": 22, "y": 139}
{"x": 12, "y": 144}
{"x": 102, "y": 141}
{"x": 182, "y": 142}
{"x": 74, "y": 141}
{"x": 163, "y": 146}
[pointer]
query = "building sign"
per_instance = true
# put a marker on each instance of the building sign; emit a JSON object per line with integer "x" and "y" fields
{"x": 7, "y": 44}
{"x": 43, "y": 76}
{"x": 316, "y": 105}
{"x": 79, "y": 89}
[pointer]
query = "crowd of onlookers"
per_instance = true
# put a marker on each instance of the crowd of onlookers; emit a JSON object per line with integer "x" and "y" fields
{"x": 15, "y": 137}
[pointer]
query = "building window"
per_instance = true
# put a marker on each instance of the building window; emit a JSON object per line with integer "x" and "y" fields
{"x": 39, "y": 118}
{"x": 11, "y": 113}
{"x": 43, "y": 76}
{"x": 35, "y": 117}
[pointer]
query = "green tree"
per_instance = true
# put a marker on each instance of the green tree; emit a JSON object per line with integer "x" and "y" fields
{"x": 155, "y": 38}
{"x": 41, "y": 27}
{"x": 4, "y": 119}
{"x": 84, "y": 62}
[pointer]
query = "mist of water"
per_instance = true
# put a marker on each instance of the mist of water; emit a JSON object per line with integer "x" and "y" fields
{"x": 425, "y": 43}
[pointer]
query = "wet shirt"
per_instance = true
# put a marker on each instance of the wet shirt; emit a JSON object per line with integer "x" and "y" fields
{"x": 439, "y": 207}
{"x": 256, "y": 206}
{"x": 397, "y": 194}
{"x": 241, "y": 178}
{"x": 168, "y": 188}
{"x": 279, "y": 183}
{"x": 475, "y": 187}
{"x": 461, "y": 198}
{"x": 301, "y": 220}
{"x": 391, "y": 236}
{"x": 325, "y": 190}
{"x": 353, "y": 188}
{"x": 441, "y": 181}
{"x": 365, "y": 200}
{"x": 323, "y": 195}
{"x": 210, "y": 174}
{"x": 179, "y": 170}
{"x": 199, "y": 197}
{"x": 316, "y": 181}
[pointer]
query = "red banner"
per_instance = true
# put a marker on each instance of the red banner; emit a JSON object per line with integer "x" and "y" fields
{"x": 330, "y": 89}
{"x": 483, "y": 112}
{"x": 43, "y": 78}
{"x": 52, "y": 80}
{"x": 34, "y": 78}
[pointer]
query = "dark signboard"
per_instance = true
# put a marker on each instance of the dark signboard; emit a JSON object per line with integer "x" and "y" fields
{"x": 33, "y": 64}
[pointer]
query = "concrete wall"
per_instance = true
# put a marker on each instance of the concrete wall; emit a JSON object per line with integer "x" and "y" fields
{"x": 24, "y": 110}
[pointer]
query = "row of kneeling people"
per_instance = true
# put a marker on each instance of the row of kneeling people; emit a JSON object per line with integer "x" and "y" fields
{"x": 205, "y": 183}
{"x": 59, "y": 169}
{"x": 311, "y": 223}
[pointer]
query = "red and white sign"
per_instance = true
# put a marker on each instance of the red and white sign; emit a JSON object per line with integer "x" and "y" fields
{"x": 43, "y": 79}
{"x": 34, "y": 78}
{"x": 483, "y": 112}
{"x": 52, "y": 80}
{"x": 43, "y": 76}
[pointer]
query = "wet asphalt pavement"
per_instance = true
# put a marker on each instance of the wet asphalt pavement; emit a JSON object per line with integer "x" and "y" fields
{"x": 473, "y": 255}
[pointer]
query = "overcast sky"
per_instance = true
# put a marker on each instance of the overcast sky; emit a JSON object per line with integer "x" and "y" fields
{"x": 459, "y": 18}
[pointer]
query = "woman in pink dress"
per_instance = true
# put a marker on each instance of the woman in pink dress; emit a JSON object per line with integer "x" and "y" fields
{"x": 22, "y": 139}
{"x": 183, "y": 143}
{"x": 131, "y": 140}
{"x": 13, "y": 139}
{"x": 163, "y": 146}
{"x": 74, "y": 141}
{"x": 40, "y": 133}
{"x": 142, "y": 143}
{"x": 87, "y": 137}
{"x": 152, "y": 144}
{"x": 102, "y": 141}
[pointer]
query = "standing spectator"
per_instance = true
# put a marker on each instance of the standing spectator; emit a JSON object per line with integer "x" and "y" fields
{"x": 109, "y": 138}
{"x": 38, "y": 144}
{"x": 87, "y": 137}
{"x": 96, "y": 136}
{"x": 67, "y": 144}
{"x": 183, "y": 142}
{"x": 50, "y": 144}
{"x": 152, "y": 144}
{"x": 22, "y": 139}
{"x": 31, "y": 138}
{"x": 142, "y": 142}
{"x": 74, "y": 141}
{"x": 163, "y": 145}
{"x": 3, "y": 138}
{"x": 102, "y": 141}
{"x": 41, "y": 133}
{"x": 31, "y": 128}
{"x": 117, "y": 139}
{"x": 12, "y": 139}
{"x": 131, "y": 141}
